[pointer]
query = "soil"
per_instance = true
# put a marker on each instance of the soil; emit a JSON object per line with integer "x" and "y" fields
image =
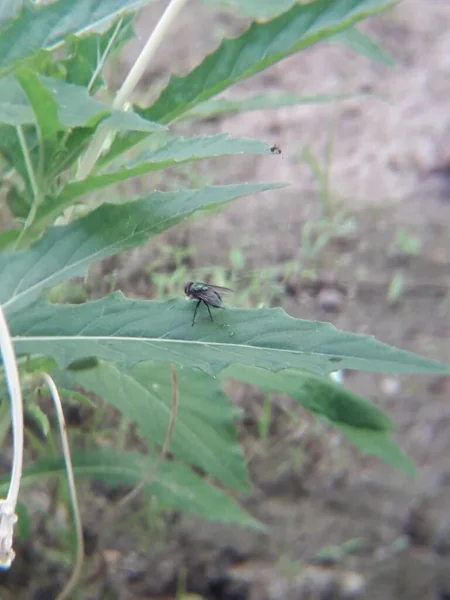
{"x": 390, "y": 174}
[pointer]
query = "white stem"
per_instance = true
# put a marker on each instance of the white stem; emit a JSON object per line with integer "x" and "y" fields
{"x": 147, "y": 53}
{"x": 123, "y": 95}
{"x": 13, "y": 382}
{"x": 8, "y": 517}
{"x": 76, "y": 572}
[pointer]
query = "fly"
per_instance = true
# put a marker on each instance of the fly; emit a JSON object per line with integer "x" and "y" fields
{"x": 208, "y": 294}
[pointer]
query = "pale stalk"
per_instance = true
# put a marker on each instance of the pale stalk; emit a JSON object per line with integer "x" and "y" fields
{"x": 8, "y": 506}
{"x": 149, "y": 476}
{"x": 13, "y": 382}
{"x": 76, "y": 571}
{"x": 123, "y": 95}
{"x": 165, "y": 448}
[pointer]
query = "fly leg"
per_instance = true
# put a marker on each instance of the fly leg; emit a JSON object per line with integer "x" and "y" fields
{"x": 195, "y": 312}
{"x": 209, "y": 310}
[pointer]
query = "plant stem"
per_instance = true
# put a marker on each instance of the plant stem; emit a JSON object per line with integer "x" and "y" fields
{"x": 33, "y": 183}
{"x": 28, "y": 164}
{"x": 76, "y": 572}
{"x": 165, "y": 447}
{"x": 13, "y": 382}
{"x": 8, "y": 506}
{"x": 103, "y": 59}
{"x": 123, "y": 95}
{"x": 123, "y": 502}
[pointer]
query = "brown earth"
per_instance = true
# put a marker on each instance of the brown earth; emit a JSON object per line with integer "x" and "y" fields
{"x": 390, "y": 173}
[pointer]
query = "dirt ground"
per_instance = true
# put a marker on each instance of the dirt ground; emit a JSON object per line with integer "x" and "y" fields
{"x": 390, "y": 174}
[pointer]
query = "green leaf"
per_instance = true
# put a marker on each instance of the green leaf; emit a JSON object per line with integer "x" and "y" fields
{"x": 320, "y": 396}
{"x": 204, "y": 433}
{"x": 75, "y": 142}
{"x": 130, "y": 121}
{"x": 46, "y": 26}
{"x": 9, "y": 9}
{"x": 84, "y": 364}
{"x": 261, "y": 46}
{"x": 87, "y": 54}
{"x": 258, "y": 48}
{"x": 214, "y": 108}
{"x": 174, "y": 485}
{"x": 35, "y": 413}
{"x": 8, "y": 238}
{"x": 44, "y": 106}
{"x": 175, "y": 151}
{"x": 23, "y": 527}
{"x": 260, "y": 9}
{"x": 11, "y": 150}
{"x": 37, "y": 364}
{"x": 18, "y": 202}
{"x": 76, "y": 108}
{"x": 73, "y": 396}
{"x": 379, "y": 444}
{"x": 361, "y": 422}
{"x": 129, "y": 331}
{"x": 58, "y": 105}
{"x": 362, "y": 44}
{"x": 67, "y": 251}
{"x": 79, "y": 138}
{"x": 15, "y": 108}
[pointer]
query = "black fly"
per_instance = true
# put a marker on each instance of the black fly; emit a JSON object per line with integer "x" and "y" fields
{"x": 208, "y": 294}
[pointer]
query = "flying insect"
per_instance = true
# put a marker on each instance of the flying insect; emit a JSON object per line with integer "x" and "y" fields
{"x": 208, "y": 294}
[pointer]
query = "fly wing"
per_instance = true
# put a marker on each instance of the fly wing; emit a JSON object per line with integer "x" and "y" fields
{"x": 219, "y": 288}
{"x": 210, "y": 296}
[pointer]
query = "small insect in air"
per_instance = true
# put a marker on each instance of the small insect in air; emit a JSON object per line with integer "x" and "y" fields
{"x": 208, "y": 294}
{"x": 275, "y": 149}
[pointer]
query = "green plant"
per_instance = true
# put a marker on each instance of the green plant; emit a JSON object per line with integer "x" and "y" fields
{"x": 332, "y": 224}
{"x": 335, "y": 554}
{"x": 396, "y": 287}
{"x": 316, "y": 235}
{"x": 265, "y": 418}
{"x": 406, "y": 243}
{"x": 322, "y": 173}
{"x": 60, "y": 144}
